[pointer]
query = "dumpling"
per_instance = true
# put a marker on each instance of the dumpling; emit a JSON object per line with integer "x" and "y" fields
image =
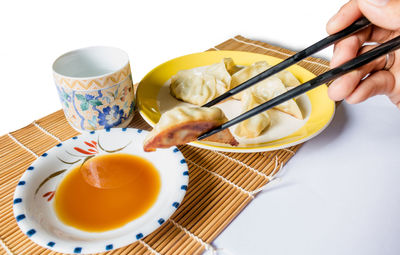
{"x": 267, "y": 88}
{"x": 231, "y": 66}
{"x": 255, "y": 125}
{"x": 218, "y": 70}
{"x": 184, "y": 124}
{"x": 200, "y": 85}
{"x": 246, "y": 74}
{"x": 193, "y": 87}
{"x": 287, "y": 78}
{"x": 221, "y": 72}
{"x": 272, "y": 87}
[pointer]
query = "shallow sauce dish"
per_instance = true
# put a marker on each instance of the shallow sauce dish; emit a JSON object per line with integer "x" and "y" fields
{"x": 153, "y": 99}
{"x": 34, "y": 195}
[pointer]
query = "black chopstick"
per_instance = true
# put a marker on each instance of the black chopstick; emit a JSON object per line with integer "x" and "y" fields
{"x": 322, "y": 44}
{"x": 351, "y": 65}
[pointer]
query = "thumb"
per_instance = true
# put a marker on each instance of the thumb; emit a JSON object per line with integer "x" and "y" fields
{"x": 383, "y": 13}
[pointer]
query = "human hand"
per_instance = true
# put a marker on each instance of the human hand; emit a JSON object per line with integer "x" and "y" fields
{"x": 385, "y": 17}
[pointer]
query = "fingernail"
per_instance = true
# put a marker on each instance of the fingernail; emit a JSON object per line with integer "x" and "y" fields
{"x": 378, "y": 2}
{"x": 350, "y": 100}
{"x": 332, "y": 18}
{"x": 336, "y": 81}
{"x": 331, "y": 22}
{"x": 335, "y": 56}
{"x": 333, "y": 90}
{"x": 332, "y": 63}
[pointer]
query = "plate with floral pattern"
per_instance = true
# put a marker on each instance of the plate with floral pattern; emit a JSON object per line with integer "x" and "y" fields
{"x": 33, "y": 202}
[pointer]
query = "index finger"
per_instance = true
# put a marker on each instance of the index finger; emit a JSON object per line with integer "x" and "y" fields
{"x": 347, "y": 14}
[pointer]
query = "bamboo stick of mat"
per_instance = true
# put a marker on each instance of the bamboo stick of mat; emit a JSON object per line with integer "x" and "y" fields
{"x": 220, "y": 185}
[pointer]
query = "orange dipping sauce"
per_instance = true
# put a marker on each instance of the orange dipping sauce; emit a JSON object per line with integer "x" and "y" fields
{"x": 91, "y": 209}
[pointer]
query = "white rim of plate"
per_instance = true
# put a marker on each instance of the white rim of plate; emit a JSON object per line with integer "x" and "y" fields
{"x": 40, "y": 236}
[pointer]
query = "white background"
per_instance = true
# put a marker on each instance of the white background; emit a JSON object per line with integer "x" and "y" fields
{"x": 34, "y": 33}
{"x": 339, "y": 195}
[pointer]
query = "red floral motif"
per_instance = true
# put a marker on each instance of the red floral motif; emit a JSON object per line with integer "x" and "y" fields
{"x": 90, "y": 151}
{"x": 50, "y": 195}
{"x": 125, "y": 92}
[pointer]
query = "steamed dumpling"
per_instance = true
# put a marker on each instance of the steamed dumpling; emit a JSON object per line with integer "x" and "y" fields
{"x": 184, "y": 124}
{"x": 267, "y": 88}
{"x": 272, "y": 87}
{"x": 287, "y": 78}
{"x": 193, "y": 87}
{"x": 246, "y": 74}
{"x": 200, "y": 85}
{"x": 231, "y": 67}
{"x": 255, "y": 125}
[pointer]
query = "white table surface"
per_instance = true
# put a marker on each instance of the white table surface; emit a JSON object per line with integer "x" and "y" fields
{"x": 338, "y": 195}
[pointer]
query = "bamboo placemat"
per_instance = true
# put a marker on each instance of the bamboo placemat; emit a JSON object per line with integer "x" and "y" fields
{"x": 220, "y": 184}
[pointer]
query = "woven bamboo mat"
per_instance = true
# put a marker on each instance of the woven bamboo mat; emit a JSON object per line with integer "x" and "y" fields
{"x": 220, "y": 185}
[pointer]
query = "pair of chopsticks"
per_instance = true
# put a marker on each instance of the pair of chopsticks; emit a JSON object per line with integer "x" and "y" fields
{"x": 332, "y": 74}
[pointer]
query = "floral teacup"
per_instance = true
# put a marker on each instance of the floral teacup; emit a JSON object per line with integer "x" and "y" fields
{"x": 95, "y": 87}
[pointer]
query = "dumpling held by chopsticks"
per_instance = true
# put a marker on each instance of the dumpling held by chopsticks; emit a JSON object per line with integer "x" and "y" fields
{"x": 184, "y": 124}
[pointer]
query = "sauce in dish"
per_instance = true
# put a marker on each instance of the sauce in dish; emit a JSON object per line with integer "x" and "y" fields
{"x": 91, "y": 209}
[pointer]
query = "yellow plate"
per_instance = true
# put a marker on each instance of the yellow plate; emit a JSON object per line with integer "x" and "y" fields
{"x": 321, "y": 111}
